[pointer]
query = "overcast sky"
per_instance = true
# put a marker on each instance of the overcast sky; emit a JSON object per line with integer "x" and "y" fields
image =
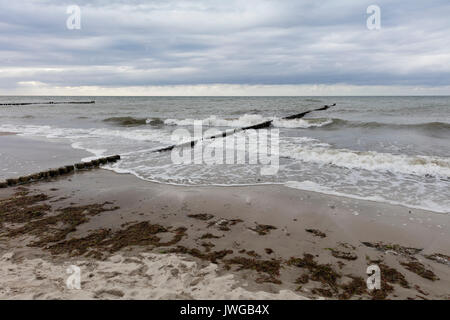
{"x": 218, "y": 47}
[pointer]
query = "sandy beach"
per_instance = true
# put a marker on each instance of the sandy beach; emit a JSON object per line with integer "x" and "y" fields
{"x": 133, "y": 239}
{"x": 224, "y": 151}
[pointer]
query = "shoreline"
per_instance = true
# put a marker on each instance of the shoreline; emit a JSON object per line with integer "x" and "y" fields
{"x": 26, "y": 155}
{"x": 256, "y": 234}
{"x": 60, "y": 149}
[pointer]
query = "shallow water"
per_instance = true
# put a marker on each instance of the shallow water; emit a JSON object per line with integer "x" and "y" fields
{"x": 390, "y": 149}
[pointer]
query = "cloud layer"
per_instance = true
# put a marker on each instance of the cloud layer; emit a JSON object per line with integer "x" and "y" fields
{"x": 236, "y": 43}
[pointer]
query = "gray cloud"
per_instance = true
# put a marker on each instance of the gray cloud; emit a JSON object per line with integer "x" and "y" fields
{"x": 141, "y": 43}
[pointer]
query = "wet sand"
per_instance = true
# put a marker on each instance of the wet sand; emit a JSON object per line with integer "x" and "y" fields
{"x": 23, "y": 155}
{"x": 213, "y": 242}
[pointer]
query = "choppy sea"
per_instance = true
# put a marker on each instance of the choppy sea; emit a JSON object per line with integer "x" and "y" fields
{"x": 387, "y": 149}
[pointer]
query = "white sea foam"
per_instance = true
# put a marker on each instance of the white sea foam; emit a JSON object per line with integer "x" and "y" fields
{"x": 315, "y": 187}
{"x": 301, "y": 123}
{"x": 386, "y": 171}
{"x": 249, "y": 120}
{"x": 370, "y": 160}
{"x": 97, "y": 153}
{"x": 74, "y": 133}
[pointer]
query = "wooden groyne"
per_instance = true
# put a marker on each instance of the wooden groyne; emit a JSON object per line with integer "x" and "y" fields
{"x": 262, "y": 125}
{"x": 61, "y": 171}
{"x": 49, "y": 102}
{"x": 53, "y": 173}
{"x": 301, "y": 115}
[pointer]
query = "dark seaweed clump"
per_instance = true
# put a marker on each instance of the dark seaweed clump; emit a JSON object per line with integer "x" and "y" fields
{"x": 56, "y": 227}
{"x": 22, "y": 207}
{"x": 139, "y": 234}
{"x": 420, "y": 269}
{"x": 201, "y": 216}
{"x": 271, "y": 267}
{"x": 209, "y": 256}
{"x": 223, "y": 224}
{"x": 209, "y": 236}
{"x": 316, "y": 232}
{"x": 393, "y": 247}
{"x": 439, "y": 257}
{"x": 323, "y": 273}
{"x": 343, "y": 255}
{"x": 263, "y": 229}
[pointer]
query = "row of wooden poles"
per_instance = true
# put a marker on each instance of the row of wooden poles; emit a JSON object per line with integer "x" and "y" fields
{"x": 96, "y": 163}
{"x": 50, "y": 102}
{"x": 53, "y": 173}
{"x": 257, "y": 126}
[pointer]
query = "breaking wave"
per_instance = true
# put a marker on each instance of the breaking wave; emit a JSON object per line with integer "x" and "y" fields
{"x": 249, "y": 120}
{"x": 315, "y": 187}
{"x": 131, "y": 122}
{"x": 370, "y": 160}
{"x": 430, "y": 126}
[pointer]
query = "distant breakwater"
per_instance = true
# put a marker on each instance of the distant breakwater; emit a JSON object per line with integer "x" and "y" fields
{"x": 49, "y": 102}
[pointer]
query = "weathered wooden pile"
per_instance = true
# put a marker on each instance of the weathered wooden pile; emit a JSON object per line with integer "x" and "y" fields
{"x": 262, "y": 125}
{"x": 53, "y": 173}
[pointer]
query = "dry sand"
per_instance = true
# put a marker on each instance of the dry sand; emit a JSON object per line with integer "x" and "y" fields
{"x": 142, "y": 276}
{"x": 151, "y": 241}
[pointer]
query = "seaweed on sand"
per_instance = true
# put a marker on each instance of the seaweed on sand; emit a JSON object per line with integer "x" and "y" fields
{"x": 263, "y": 229}
{"x": 22, "y": 207}
{"x": 105, "y": 240}
{"x": 419, "y": 268}
{"x": 393, "y": 247}
{"x": 393, "y": 276}
{"x": 316, "y": 232}
{"x": 142, "y": 234}
{"x": 208, "y": 246}
{"x": 79, "y": 246}
{"x": 328, "y": 277}
{"x": 251, "y": 253}
{"x": 388, "y": 276}
{"x": 356, "y": 287}
{"x": 268, "y": 279}
{"x": 343, "y": 255}
{"x": 211, "y": 256}
{"x": 439, "y": 257}
{"x": 304, "y": 278}
{"x": 209, "y": 236}
{"x": 201, "y": 216}
{"x": 323, "y": 292}
{"x": 224, "y": 224}
{"x": 271, "y": 267}
{"x": 323, "y": 273}
{"x": 55, "y": 228}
